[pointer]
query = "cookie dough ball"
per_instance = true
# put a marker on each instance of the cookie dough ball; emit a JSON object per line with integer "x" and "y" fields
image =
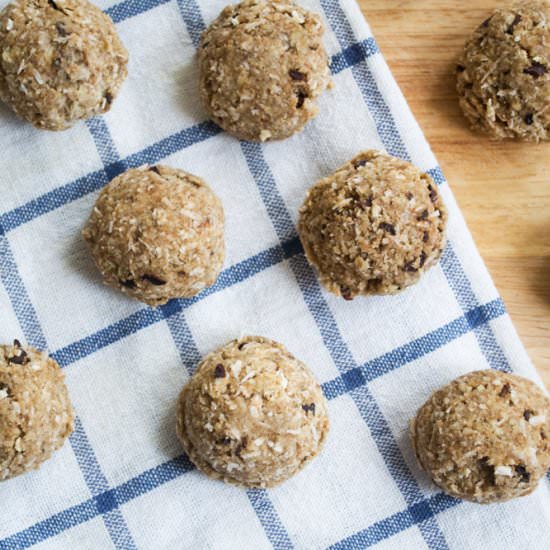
{"x": 36, "y": 415}
{"x": 485, "y": 437}
{"x": 262, "y": 65}
{"x": 372, "y": 227}
{"x": 60, "y": 61}
{"x": 156, "y": 233}
{"x": 503, "y": 74}
{"x": 252, "y": 414}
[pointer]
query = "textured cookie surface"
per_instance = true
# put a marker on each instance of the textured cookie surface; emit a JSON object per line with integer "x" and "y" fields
{"x": 503, "y": 74}
{"x": 60, "y": 61}
{"x": 262, "y": 65}
{"x": 485, "y": 437}
{"x": 252, "y": 414}
{"x": 156, "y": 233}
{"x": 373, "y": 226}
{"x": 36, "y": 415}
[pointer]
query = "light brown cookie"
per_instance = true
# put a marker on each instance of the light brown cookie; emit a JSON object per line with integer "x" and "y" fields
{"x": 373, "y": 226}
{"x": 485, "y": 436}
{"x": 262, "y": 65}
{"x": 252, "y": 414}
{"x": 60, "y": 61}
{"x": 503, "y": 75}
{"x": 36, "y": 415}
{"x": 156, "y": 233}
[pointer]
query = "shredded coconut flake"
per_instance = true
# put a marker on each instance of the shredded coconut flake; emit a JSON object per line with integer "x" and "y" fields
{"x": 505, "y": 471}
{"x": 537, "y": 420}
{"x": 38, "y": 77}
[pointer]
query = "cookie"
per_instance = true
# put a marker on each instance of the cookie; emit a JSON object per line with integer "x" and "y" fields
{"x": 372, "y": 227}
{"x": 503, "y": 75}
{"x": 485, "y": 437}
{"x": 252, "y": 414}
{"x": 262, "y": 66}
{"x": 36, "y": 415}
{"x": 60, "y": 61}
{"x": 157, "y": 233}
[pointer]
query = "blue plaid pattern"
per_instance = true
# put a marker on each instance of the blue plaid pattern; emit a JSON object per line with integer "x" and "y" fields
{"x": 355, "y": 379}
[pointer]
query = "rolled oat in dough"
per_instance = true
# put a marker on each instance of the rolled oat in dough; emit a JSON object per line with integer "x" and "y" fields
{"x": 485, "y": 436}
{"x": 503, "y": 74}
{"x": 252, "y": 414}
{"x": 156, "y": 233}
{"x": 36, "y": 415}
{"x": 60, "y": 61}
{"x": 372, "y": 227}
{"x": 262, "y": 66}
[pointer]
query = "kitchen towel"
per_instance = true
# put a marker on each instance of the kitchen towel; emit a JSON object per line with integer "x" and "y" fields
{"x": 122, "y": 481}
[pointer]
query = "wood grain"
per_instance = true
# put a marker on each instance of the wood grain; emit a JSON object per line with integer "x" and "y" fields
{"x": 502, "y": 188}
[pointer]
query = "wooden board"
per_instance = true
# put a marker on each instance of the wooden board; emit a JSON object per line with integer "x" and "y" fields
{"x": 502, "y": 188}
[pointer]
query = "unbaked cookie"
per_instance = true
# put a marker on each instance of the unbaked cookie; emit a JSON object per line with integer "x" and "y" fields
{"x": 373, "y": 226}
{"x": 156, "y": 233}
{"x": 262, "y": 66}
{"x": 485, "y": 437}
{"x": 252, "y": 414}
{"x": 36, "y": 415}
{"x": 60, "y": 61}
{"x": 503, "y": 78}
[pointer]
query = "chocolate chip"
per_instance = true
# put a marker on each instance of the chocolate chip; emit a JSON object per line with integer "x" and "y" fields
{"x": 309, "y": 408}
{"x": 409, "y": 196}
{"x": 516, "y": 20}
{"x": 423, "y": 216}
{"x": 224, "y": 441}
{"x": 153, "y": 279}
{"x": 422, "y": 258}
{"x": 57, "y": 62}
{"x": 297, "y": 75}
{"x": 388, "y": 227}
{"x": 301, "y": 98}
{"x": 527, "y": 414}
{"x": 485, "y": 23}
{"x": 535, "y": 70}
{"x": 128, "y": 283}
{"x": 60, "y": 27}
{"x": 154, "y": 169}
{"x": 16, "y": 343}
{"x": 522, "y": 472}
{"x": 433, "y": 193}
{"x": 542, "y": 434}
{"x": 54, "y": 5}
{"x": 460, "y": 68}
{"x": 487, "y": 470}
{"x": 528, "y": 119}
{"x": 426, "y": 237}
{"x": 505, "y": 390}
{"x": 219, "y": 371}
{"x": 359, "y": 163}
{"x": 20, "y": 359}
{"x": 108, "y": 97}
{"x": 241, "y": 446}
{"x": 346, "y": 293}
{"x": 409, "y": 267}
{"x": 367, "y": 203}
